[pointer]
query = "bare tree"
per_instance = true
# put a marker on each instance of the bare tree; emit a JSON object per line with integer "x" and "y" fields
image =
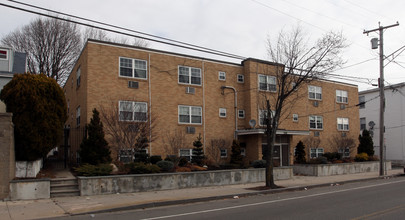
{"x": 341, "y": 143}
{"x": 52, "y": 46}
{"x": 300, "y": 63}
{"x": 128, "y": 131}
{"x": 98, "y": 34}
{"x": 174, "y": 141}
{"x": 312, "y": 143}
{"x": 214, "y": 149}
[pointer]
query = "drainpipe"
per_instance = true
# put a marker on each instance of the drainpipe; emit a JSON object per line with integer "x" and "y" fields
{"x": 236, "y": 106}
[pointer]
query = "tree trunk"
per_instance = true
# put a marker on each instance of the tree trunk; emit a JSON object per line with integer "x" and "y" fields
{"x": 269, "y": 155}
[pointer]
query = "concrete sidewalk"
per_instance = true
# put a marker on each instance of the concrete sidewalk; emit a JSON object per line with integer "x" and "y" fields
{"x": 46, "y": 208}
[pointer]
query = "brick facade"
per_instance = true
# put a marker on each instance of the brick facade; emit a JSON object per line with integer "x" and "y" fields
{"x": 101, "y": 86}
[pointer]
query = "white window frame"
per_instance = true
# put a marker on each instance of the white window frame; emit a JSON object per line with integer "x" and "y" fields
{"x": 342, "y": 96}
{"x": 362, "y": 98}
{"x": 343, "y": 124}
{"x": 135, "y": 108}
{"x": 6, "y": 55}
{"x": 262, "y": 113}
{"x": 270, "y": 82}
{"x": 188, "y": 155}
{"x": 243, "y": 151}
{"x": 189, "y": 75}
{"x": 223, "y": 153}
{"x": 241, "y": 113}
{"x": 134, "y": 67}
{"x": 191, "y": 113}
{"x": 222, "y": 112}
{"x": 78, "y": 116}
{"x": 345, "y": 152}
{"x": 240, "y": 78}
{"x": 316, "y": 120}
{"x": 365, "y": 123}
{"x": 316, "y": 91}
{"x": 316, "y": 152}
{"x": 221, "y": 75}
{"x": 295, "y": 117}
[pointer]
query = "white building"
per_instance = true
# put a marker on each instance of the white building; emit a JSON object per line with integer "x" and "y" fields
{"x": 394, "y": 120}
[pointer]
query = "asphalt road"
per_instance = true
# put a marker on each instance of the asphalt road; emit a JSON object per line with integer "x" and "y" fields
{"x": 377, "y": 199}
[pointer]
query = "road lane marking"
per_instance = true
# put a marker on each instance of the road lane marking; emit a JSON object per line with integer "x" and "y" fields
{"x": 269, "y": 202}
{"x": 381, "y": 213}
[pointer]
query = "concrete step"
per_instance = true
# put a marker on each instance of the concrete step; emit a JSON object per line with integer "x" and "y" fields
{"x": 64, "y": 187}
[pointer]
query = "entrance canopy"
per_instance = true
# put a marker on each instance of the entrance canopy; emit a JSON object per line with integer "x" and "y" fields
{"x": 263, "y": 131}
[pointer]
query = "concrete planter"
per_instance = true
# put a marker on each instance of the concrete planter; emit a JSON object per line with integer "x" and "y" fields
{"x": 166, "y": 181}
{"x": 338, "y": 169}
{"x": 30, "y": 189}
{"x": 27, "y": 169}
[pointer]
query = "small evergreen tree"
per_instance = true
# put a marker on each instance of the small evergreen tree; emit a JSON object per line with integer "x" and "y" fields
{"x": 236, "y": 157}
{"x": 94, "y": 148}
{"x": 366, "y": 143}
{"x": 300, "y": 152}
{"x": 198, "y": 152}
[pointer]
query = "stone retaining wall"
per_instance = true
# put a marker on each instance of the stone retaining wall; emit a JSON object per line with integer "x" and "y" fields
{"x": 153, "y": 182}
{"x": 30, "y": 189}
{"x": 338, "y": 169}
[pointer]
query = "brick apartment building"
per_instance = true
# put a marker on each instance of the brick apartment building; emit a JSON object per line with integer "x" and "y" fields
{"x": 194, "y": 95}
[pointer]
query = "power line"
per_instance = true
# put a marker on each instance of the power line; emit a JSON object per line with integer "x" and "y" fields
{"x": 185, "y": 46}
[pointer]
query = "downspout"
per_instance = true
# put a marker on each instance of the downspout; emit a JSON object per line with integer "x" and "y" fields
{"x": 150, "y": 110}
{"x": 236, "y": 106}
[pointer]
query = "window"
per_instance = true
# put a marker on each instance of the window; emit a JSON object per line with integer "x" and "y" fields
{"x": 362, "y": 101}
{"x": 224, "y": 153}
{"x": 189, "y": 75}
{"x": 267, "y": 83}
{"x": 190, "y": 114}
{"x": 341, "y": 96}
{"x": 316, "y": 152}
{"x": 295, "y": 117}
{"x": 126, "y": 155}
{"x": 133, "y": 68}
{"x": 187, "y": 153}
{"x": 263, "y": 116}
{"x": 315, "y": 92}
{"x": 362, "y": 123}
{"x": 241, "y": 113}
{"x": 243, "y": 151}
{"x": 343, "y": 124}
{"x": 222, "y": 76}
{"x": 78, "y": 77}
{"x": 78, "y": 116}
{"x": 132, "y": 111}
{"x": 3, "y": 54}
{"x": 241, "y": 78}
{"x": 222, "y": 112}
{"x": 315, "y": 122}
{"x": 345, "y": 152}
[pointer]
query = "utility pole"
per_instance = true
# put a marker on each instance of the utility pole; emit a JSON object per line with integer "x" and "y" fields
{"x": 380, "y": 29}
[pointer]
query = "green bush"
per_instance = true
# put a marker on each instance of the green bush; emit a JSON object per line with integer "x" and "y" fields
{"x": 155, "y": 159}
{"x": 259, "y": 164}
{"x": 165, "y": 166}
{"x": 141, "y": 157}
{"x": 332, "y": 156}
{"x": 236, "y": 156}
{"x": 366, "y": 144}
{"x": 318, "y": 160}
{"x": 39, "y": 113}
{"x": 198, "y": 151}
{"x": 94, "y": 170}
{"x": 141, "y": 168}
{"x": 300, "y": 153}
{"x": 361, "y": 157}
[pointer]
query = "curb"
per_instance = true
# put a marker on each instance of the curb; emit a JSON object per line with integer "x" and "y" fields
{"x": 212, "y": 198}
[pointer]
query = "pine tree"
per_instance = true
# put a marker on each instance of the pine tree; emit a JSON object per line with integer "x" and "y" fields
{"x": 300, "y": 153}
{"x": 94, "y": 148}
{"x": 236, "y": 156}
{"x": 198, "y": 152}
{"x": 366, "y": 143}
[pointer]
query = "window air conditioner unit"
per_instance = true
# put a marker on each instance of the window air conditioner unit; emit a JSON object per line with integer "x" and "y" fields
{"x": 343, "y": 134}
{"x": 190, "y": 130}
{"x": 190, "y": 90}
{"x": 342, "y": 107}
{"x": 316, "y": 103}
{"x": 316, "y": 133}
{"x": 133, "y": 84}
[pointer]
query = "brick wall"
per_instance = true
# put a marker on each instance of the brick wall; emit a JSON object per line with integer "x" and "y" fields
{"x": 7, "y": 158}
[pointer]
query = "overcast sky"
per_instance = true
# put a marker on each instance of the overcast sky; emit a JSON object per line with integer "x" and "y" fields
{"x": 242, "y": 26}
